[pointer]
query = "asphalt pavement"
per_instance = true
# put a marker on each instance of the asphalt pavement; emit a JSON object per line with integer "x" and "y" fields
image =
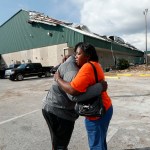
{"x": 22, "y": 126}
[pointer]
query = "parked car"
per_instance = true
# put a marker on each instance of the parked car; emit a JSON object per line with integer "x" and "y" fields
{"x": 29, "y": 70}
{"x": 54, "y": 69}
{"x": 8, "y": 70}
{"x": 2, "y": 73}
{"x": 5, "y": 71}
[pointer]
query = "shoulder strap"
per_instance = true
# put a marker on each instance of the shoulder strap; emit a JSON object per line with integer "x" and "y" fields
{"x": 95, "y": 72}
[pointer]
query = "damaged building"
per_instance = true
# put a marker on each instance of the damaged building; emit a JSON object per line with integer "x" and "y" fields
{"x": 30, "y": 36}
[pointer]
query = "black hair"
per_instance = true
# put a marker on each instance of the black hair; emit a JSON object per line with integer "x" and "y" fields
{"x": 77, "y": 45}
{"x": 88, "y": 49}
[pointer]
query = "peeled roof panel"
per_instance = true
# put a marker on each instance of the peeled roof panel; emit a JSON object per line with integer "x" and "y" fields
{"x": 84, "y": 32}
{"x": 35, "y": 16}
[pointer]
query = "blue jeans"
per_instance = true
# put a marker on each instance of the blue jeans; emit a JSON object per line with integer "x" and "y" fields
{"x": 97, "y": 131}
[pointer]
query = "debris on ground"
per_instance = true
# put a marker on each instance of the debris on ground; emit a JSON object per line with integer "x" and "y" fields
{"x": 135, "y": 69}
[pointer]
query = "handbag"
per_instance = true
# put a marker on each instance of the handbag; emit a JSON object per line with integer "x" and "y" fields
{"x": 92, "y": 107}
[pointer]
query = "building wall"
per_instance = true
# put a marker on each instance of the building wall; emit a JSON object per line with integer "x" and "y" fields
{"x": 148, "y": 58}
{"x": 17, "y": 34}
{"x": 47, "y": 56}
{"x": 22, "y": 41}
{"x": 52, "y": 56}
{"x": 109, "y": 58}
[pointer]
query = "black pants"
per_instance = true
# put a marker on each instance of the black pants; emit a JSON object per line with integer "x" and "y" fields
{"x": 60, "y": 130}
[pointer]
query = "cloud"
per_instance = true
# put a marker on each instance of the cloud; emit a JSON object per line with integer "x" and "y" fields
{"x": 65, "y": 10}
{"x": 105, "y": 17}
{"x": 116, "y": 17}
{"x": 138, "y": 40}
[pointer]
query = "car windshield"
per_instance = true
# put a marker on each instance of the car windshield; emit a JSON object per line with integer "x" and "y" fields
{"x": 11, "y": 66}
{"x": 14, "y": 65}
{"x": 22, "y": 66}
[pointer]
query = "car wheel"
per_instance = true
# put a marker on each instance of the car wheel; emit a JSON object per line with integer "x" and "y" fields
{"x": 47, "y": 74}
{"x": 40, "y": 75}
{"x": 19, "y": 77}
{"x": 12, "y": 79}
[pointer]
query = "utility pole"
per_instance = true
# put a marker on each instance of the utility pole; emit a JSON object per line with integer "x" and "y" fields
{"x": 145, "y": 14}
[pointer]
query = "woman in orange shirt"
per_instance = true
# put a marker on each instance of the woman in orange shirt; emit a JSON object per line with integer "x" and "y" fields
{"x": 96, "y": 127}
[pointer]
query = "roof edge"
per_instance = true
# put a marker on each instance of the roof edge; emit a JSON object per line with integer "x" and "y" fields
{"x": 12, "y": 17}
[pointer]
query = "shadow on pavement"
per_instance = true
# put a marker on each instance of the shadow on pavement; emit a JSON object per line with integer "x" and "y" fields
{"x": 145, "y": 148}
{"x": 33, "y": 78}
{"x": 132, "y": 95}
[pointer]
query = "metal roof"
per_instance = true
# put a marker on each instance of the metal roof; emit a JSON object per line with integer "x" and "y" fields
{"x": 38, "y": 17}
{"x": 41, "y": 18}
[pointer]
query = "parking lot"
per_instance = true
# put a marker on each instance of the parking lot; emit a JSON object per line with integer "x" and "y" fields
{"x": 22, "y": 126}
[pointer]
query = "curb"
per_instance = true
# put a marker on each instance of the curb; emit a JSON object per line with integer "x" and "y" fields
{"x": 112, "y": 77}
{"x": 144, "y": 75}
{"x": 128, "y": 75}
{"x": 117, "y": 76}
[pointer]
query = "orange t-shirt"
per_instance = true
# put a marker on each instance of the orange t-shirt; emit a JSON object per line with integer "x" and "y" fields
{"x": 85, "y": 78}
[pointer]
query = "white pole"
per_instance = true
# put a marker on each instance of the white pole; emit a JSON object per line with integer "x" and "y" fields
{"x": 145, "y": 14}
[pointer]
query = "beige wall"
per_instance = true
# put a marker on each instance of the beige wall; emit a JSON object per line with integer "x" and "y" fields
{"x": 47, "y": 56}
{"x": 52, "y": 56}
{"x": 148, "y": 58}
{"x": 107, "y": 58}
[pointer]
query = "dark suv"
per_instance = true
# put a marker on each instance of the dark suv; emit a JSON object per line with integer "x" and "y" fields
{"x": 8, "y": 70}
{"x": 29, "y": 70}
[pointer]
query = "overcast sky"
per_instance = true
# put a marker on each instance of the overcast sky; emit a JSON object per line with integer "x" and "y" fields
{"x": 105, "y": 17}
